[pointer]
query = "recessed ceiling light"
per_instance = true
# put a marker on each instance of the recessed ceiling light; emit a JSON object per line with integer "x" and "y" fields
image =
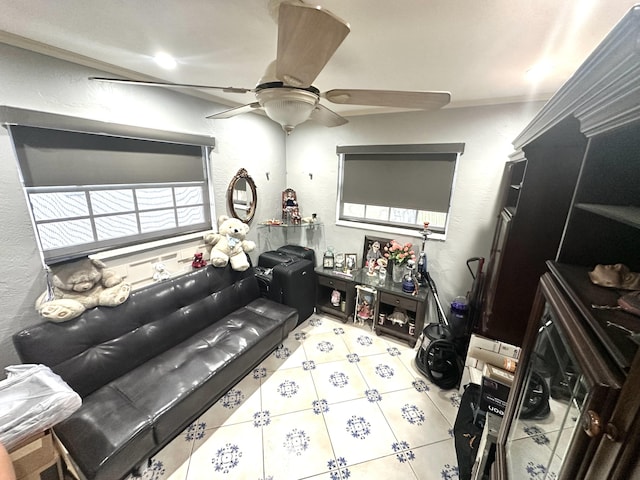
{"x": 165, "y": 60}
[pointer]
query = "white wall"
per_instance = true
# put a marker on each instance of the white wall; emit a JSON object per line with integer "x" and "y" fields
{"x": 33, "y": 81}
{"x": 37, "y": 82}
{"x": 487, "y": 133}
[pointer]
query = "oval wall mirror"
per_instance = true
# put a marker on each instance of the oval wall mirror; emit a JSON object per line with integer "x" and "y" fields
{"x": 241, "y": 196}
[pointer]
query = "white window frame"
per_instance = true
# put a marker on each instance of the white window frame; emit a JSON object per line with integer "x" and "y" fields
{"x": 10, "y": 117}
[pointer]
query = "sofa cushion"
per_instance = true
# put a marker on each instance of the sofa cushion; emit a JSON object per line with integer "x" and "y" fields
{"x": 105, "y": 437}
{"x": 179, "y": 384}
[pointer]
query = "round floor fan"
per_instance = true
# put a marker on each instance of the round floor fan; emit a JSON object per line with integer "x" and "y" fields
{"x": 441, "y": 364}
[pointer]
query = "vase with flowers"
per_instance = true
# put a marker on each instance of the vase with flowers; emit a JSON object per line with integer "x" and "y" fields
{"x": 398, "y": 254}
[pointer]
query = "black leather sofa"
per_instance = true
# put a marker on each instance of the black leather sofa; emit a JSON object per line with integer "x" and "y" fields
{"x": 149, "y": 367}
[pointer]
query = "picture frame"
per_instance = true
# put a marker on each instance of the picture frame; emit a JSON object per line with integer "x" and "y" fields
{"x": 328, "y": 260}
{"x": 368, "y": 244}
{"x": 351, "y": 261}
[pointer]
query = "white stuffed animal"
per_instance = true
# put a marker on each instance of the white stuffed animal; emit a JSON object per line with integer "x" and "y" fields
{"x": 78, "y": 286}
{"x": 229, "y": 244}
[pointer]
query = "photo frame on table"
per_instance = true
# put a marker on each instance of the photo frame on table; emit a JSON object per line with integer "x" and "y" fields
{"x": 351, "y": 261}
{"x": 368, "y": 249}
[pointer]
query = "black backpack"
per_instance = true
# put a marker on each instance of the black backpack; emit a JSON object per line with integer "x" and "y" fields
{"x": 467, "y": 430}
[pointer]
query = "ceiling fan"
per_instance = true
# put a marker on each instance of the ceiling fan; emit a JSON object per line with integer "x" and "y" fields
{"x": 307, "y": 38}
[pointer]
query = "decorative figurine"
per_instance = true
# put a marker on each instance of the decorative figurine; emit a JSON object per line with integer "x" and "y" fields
{"x": 335, "y": 298}
{"x": 198, "y": 261}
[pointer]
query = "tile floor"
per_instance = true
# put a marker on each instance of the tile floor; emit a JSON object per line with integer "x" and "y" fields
{"x": 335, "y": 402}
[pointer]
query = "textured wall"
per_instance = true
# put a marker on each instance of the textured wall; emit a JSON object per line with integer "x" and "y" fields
{"x": 487, "y": 133}
{"x": 34, "y": 81}
{"x": 37, "y": 82}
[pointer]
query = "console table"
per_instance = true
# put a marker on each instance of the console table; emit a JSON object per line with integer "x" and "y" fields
{"x": 389, "y": 297}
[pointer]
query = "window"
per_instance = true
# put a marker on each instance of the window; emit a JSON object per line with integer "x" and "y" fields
{"x": 91, "y": 192}
{"x": 391, "y": 187}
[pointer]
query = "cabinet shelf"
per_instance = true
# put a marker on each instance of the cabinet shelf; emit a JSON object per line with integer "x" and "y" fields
{"x": 273, "y": 236}
{"x": 575, "y": 281}
{"x": 629, "y": 215}
{"x": 396, "y": 331}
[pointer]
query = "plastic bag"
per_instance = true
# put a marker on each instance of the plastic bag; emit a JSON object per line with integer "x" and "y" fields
{"x": 32, "y": 399}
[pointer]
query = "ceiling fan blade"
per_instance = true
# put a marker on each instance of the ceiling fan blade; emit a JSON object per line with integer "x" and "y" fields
{"x": 390, "y": 98}
{"x": 232, "y": 112}
{"x": 307, "y": 39}
{"x": 171, "y": 85}
{"x": 327, "y": 117}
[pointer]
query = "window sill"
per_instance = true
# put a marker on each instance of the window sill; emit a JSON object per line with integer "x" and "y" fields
{"x": 392, "y": 230}
{"x": 148, "y": 246}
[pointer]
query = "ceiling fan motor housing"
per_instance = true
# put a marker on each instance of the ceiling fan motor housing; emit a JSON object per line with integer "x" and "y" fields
{"x": 288, "y": 106}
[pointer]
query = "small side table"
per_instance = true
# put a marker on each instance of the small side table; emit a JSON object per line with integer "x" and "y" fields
{"x": 328, "y": 281}
{"x": 390, "y": 296}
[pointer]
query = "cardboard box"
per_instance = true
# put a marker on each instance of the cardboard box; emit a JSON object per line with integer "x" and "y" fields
{"x": 494, "y": 393}
{"x": 70, "y": 466}
{"x": 509, "y": 350}
{"x": 37, "y": 459}
{"x": 476, "y": 341}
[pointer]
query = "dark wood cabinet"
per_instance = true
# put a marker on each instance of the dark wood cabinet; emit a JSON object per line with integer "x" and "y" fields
{"x": 535, "y": 230}
{"x": 388, "y": 297}
{"x": 328, "y": 281}
{"x": 579, "y": 206}
{"x": 581, "y": 165}
{"x": 392, "y": 297}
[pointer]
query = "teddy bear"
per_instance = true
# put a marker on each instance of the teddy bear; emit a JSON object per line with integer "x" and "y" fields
{"x": 78, "y": 286}
{"x": 198, "y": 260}
{"x": 229, "y": 244}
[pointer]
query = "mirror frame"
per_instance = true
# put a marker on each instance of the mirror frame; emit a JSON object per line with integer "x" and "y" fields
{"x": 242, "y": 174}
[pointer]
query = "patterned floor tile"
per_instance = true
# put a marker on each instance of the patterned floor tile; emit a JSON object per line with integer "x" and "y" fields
{"x": 387, "y": 468}
{"x": 339, "y": 381}
{"x": 363, "y": 341}
{"x": 326, "y": 347}
{"x": 287, "y": 391}
{"x": 414, "y": 418}
{"x": 385, "y": 373}
{"x": 435, "y": 462}
{"x": 290, "y": 354}
{"x": 238, "y": 405}
{"x": 324, "y": 406}
{"x": 358, "y": 431}
{"x": 319, "y": 324}
{"x": 447, "y": 401}
{"x": 233, "y": 451}
{"x": 296, "y": 445}
{"x": 172, "y": 461}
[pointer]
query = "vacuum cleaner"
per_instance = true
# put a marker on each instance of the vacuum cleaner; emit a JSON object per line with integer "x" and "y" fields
{"x": 441, "y": 351}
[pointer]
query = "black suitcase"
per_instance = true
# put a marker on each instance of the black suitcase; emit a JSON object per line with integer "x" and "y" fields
{"x": 264, "y": 277}
{"x": 294, "y": 284}
{"x": 300, "y": 252}
{"x": 274, "y": 257}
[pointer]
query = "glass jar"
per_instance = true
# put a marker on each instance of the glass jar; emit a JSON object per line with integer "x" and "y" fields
{"x": 397, "y": 272}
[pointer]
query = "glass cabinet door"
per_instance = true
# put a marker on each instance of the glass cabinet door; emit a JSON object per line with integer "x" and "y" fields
{"x": 565, "y": 391}
{"x": 549, "y": 410}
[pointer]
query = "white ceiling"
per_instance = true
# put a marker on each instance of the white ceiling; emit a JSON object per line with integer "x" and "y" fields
{"x": 479, "y": 50}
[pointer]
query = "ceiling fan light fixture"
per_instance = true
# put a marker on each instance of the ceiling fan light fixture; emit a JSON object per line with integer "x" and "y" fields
{"x": 287, "y": 106}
